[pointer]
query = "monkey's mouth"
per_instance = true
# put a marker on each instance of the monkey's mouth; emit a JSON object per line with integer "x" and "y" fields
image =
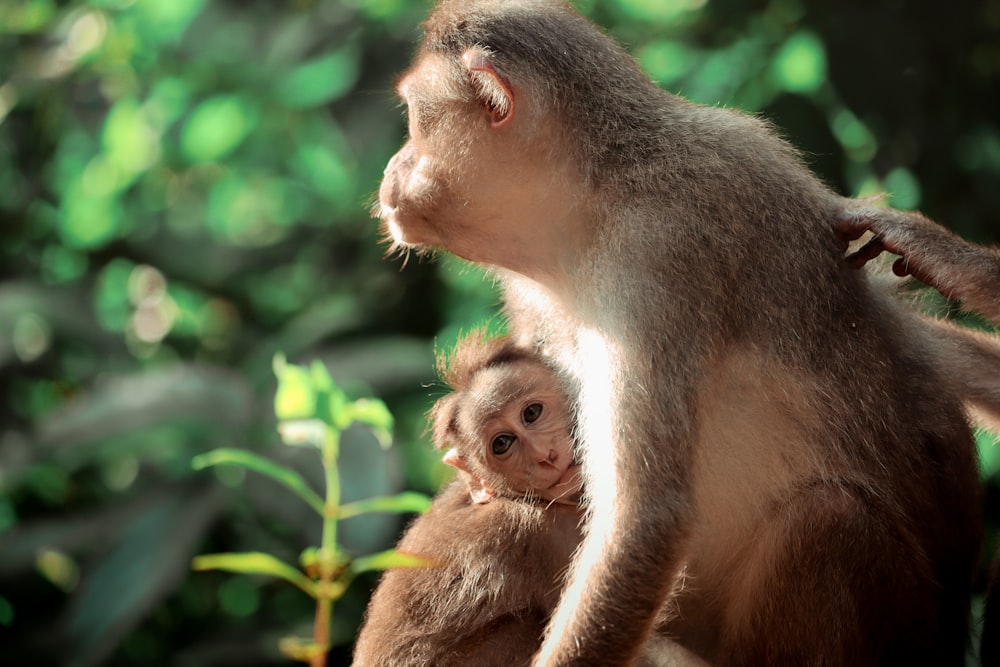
{"x": 570, "y": 477}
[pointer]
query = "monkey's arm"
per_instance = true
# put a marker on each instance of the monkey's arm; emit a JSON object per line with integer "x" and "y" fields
{"x": 622, "y": 572}
{"x": 930, "y": 253}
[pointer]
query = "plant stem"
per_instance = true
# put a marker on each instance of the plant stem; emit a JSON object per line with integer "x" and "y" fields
{"x": 328, "y": 549}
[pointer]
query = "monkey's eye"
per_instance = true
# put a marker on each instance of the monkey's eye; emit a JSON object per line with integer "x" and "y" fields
{"x": 502, "y": 444}
{"x": 531, "y": 413}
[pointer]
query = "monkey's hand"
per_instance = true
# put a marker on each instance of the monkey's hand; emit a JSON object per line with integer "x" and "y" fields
{"x": 907, "y": 234}
{"x": 927, "y": 251}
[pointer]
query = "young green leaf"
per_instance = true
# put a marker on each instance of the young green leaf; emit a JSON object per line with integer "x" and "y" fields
{"x": 251, "y": 461}
{"x": 296, "y": 395}
{"x": 388, "y": 559}
{"x": 255, "y": 562}
{"x": 408, "y": 501}
{"x": 373, "y": 413}
{"x": 303, "y": 432}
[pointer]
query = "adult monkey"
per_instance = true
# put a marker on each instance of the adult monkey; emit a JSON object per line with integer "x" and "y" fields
{"x": 747, "y": 403}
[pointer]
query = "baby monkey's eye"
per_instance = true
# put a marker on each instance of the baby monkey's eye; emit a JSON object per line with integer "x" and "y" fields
{"x": 531, "y": 413}
{"x": 502, "y": 443}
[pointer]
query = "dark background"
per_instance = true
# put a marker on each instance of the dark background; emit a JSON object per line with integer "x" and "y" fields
{"x": 184, "y": 192}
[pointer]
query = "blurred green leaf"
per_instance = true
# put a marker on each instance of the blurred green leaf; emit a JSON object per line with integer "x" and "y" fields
{"x": 374, "y": 414}
{"x": 387, "y": 559}
{"x": 255, "y": 563}
{"x": 28, "y": 16}
{"x": 320, "y": 377}
{"x": 168, "y": 100}
{"x": 327, "y": 171}
{"x": 90, "y": 215}
{"x": 111, "y": 296}
{"x": 659, "y": 11}
{"x": 58, "y": 568}
{"x": 250, "y": 209}
{"x": 988, "y": 445}
{"x": 6, "y": 612}
{"x": 408, "y": 501}
{"x": 666, "y": 60}
{"x": 853, "y": 135}
{"x": 251, "y": 461}
{"x": 138, "y": 569}
{"x": 131, "y": 144}
{"x": 167, "y": 19}
{"x": 903, "y": 188}
{"x": 239, "y": 597}
{"x": 216, "y": 127}
{"x": 296, "y": 396}
{"x": 320, "y": 80}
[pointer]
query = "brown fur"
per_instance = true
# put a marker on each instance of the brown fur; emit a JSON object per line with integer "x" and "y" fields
{"x": 958, "y": 269}
{"x": 494, "y": 579}
{"x": 671, "y": 259}
{"x": 969, "y": 274}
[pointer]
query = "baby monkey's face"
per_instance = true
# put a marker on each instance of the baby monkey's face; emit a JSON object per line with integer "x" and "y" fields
{"x": 524, "y": 442}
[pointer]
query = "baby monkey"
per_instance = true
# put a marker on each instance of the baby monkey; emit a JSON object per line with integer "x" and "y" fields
{"x": 507, "y": 424}
{"x": 499, "y": 538}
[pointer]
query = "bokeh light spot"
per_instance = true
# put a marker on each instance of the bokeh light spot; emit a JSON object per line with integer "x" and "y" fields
{"x": 903, "y": 188}
{"x": 216, "y": 127}
{"x": 800, "y": 64}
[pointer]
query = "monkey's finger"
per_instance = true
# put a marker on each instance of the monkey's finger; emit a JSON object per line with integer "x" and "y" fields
{"x": 866, "y": 253}
{"x": 850, "y": 227}
{"x": 901, "y": 267}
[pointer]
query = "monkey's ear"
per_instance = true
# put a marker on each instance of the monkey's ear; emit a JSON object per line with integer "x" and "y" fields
{"x": 494, "y": 89}
{"x": 480, "y": 491}
{"x": 456, "y": 460}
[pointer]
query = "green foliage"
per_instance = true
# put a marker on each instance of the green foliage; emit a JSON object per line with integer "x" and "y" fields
{"x": 312, "y": 410}
{"x": 184, "y": 192}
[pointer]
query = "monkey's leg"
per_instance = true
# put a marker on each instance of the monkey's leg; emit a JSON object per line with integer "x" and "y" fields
{"x": 834, "y": 578}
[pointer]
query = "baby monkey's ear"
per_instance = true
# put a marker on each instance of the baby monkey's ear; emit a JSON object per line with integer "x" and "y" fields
{"x": 480, "y": 491}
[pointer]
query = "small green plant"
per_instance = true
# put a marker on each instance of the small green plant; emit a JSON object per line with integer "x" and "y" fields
{"x": 313, "y": 411}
